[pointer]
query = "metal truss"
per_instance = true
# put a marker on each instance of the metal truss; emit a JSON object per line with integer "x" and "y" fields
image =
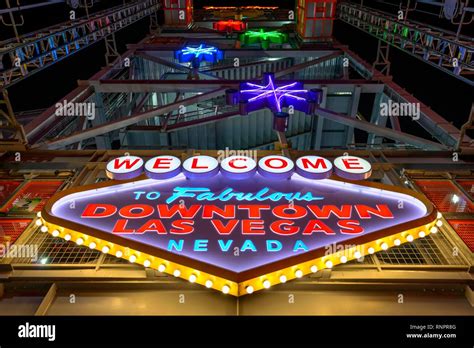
{"x": 378, "y": 130}
{"x": 469, "y": 125}
{"x": 109, "y": 83}
{"x": 382, "y": 62}
{"x": 111, "y": 52}
{"x": 136, "y": 118}
{"x": 128, "y": 121}
{"x": 12, "y": 134}
{"x": 442, "y": 130}
{"x": 434, "y": 46}
{"x": 39, "y": 50}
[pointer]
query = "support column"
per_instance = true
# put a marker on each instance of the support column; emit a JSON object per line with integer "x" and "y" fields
{"x": 111, "y": 52}
{"x": 318, "y": 132}
{"x": 353, "y": 114}
{"x": 469, "y": 125}
{"x": 154, "y": 25}
{"x": 382, "y": 62}
{"x": 377, "y": 119}
{"x": 102, "y": 141}
{"x": 47, "y": 301}
{"x": 12, "y": 135}
{"x": 178, "y": 13}
{"x": 314, "y": 19}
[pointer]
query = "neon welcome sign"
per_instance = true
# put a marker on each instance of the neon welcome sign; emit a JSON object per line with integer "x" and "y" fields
{"x": 240, "y": 225}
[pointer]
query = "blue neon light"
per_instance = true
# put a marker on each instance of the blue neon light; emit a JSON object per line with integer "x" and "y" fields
{"x": 198, "y": 54}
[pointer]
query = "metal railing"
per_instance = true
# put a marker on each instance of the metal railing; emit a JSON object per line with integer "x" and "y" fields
{"x": 434, "y": 46}
{"x": 41, "y": 49}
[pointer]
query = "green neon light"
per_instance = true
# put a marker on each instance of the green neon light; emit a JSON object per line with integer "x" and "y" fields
{"x": 405, "y": 32}
{"x": 263, "y": 37}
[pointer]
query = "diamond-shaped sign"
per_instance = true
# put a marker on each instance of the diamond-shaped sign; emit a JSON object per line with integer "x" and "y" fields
{"x": 238, "y": 236}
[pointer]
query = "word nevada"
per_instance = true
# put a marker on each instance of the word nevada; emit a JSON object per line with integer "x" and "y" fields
{"x": 239, "y": 167}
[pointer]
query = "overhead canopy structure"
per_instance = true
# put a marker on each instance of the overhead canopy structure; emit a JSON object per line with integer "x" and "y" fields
{"x": 159, "y": 103}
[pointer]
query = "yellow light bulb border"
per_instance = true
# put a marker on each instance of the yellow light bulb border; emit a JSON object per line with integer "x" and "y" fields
{"x": 239, "y": 289}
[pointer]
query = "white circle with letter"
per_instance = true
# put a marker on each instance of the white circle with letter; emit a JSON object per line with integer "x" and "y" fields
{"x": 275, "y": 167}
{"x": 200, "y": 167}
{"x": 125, "y": 167}
{"x": 162, "y": 167}
{"x": 314, "y": 167}
{"x": 238, "y": 167}
{"x": 352, "y": 168}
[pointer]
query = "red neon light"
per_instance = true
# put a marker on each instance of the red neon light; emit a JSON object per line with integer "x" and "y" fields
{"x": 222, "y": 8}
{"x": 229, "y": 25}
{"x": 284, "y": 226}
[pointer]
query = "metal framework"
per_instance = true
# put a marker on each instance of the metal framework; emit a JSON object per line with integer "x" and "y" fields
{"x": 382, "y": 62}
{"x": 39, "y": 50}
{"x": 116, "y": 84}
{"x": 433, "y": 123}
{"x": 432, "y": 45}
{"x": 12, "y": 134}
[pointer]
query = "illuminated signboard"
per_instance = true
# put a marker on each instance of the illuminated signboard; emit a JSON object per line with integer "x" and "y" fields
{"x": 239, "y": 225}
{"x": 264, "y": 38}
{"x": 197, "y": 54}
{"x": 275, "y": 96}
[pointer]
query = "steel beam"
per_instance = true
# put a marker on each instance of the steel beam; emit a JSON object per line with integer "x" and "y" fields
{"x": 128, "y": 121}
{"x": 318, "y": 136}
{"x": 231, "y": 66}
{"x": 145, "y": 86}
{"x": 174, "y": 65}
{"x": 377, "y": 119}
{"x": 353, "y": 114}
{"x": 39, "y": 125}
{"x": 28, "y": 7}
{"x": 307, "y": 64}
{"x": 432, "y": 122}
{"x": 47, "y": 301}
{"x": 317, "y": 52}
{"x": 444, "y": 131}
{"x": 385, "y": 132}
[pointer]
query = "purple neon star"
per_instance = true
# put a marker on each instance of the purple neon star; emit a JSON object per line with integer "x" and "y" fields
{"x": 272, "y": 95}
{"x": 275, "y": 95}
